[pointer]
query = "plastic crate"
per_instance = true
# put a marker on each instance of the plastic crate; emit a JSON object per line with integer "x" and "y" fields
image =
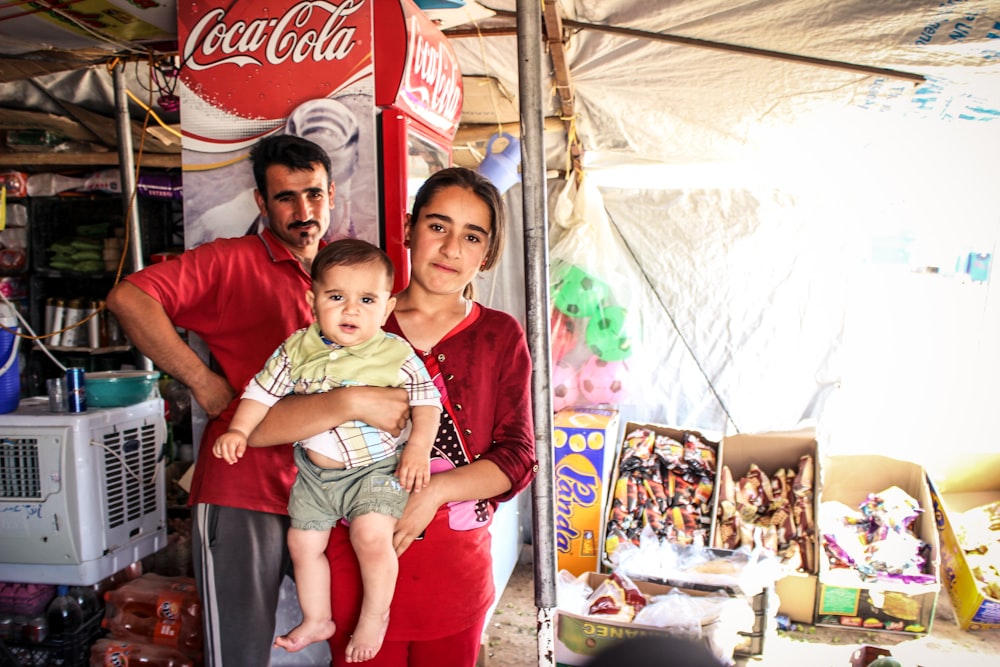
{"x": 25, "y": 599}
{"x": 66, "y": 650}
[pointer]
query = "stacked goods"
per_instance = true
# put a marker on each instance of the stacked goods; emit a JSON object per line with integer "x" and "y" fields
{"x": 83, "y": 252}
{"x": 117, "y": 652}
{"x": 968, "y": 522}
{"x": 24, "y": 599}
{"x": 978, "y": 534}
{"x": 877, "y": 539}
{"x": 880, "y": 549}
{"x": 775, "y": 510}
{"x": 48, "y": 625}
{"x": 596, "y": 611}
{"x": 665, "y": 480}
{"x": 148, "y": 612}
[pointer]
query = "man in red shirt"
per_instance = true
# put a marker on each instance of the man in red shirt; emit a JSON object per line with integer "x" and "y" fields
{"x": 242, "y": 297}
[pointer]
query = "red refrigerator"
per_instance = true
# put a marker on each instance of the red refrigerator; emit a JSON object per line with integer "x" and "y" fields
{"x": 418, "y": 92}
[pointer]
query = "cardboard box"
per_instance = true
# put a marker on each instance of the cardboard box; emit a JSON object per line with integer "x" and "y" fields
{"x": 976, "y": 486}
{"x": 487, "y": 101}
{"x": 771, "y": 452}
{"x": 750, "y": 642}
{"x": 688, "y": 493}
{"x": 843, "y": 598}
{"x": 585, "y": 448}
{"x": 579, "y": 637}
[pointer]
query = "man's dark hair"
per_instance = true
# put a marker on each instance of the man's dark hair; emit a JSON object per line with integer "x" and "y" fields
{"x": 296, "y": 153}
{"x": 348, "y": 252}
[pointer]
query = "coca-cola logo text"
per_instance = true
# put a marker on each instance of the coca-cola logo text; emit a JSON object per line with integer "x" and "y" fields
{"x": 213, "y": 43}
{"x": 433, "y": 79}
{"x": 260, "y": 60}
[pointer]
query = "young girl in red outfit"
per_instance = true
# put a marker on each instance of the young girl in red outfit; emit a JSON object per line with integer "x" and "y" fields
{"x": 484, "y": 453}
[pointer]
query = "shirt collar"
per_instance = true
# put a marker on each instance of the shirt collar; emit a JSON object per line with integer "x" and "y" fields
{"x": 276, "y": 250}
{"x": 316, "y": 342}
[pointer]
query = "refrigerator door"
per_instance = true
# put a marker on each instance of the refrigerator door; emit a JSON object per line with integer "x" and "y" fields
{"x": 410, "y": 153}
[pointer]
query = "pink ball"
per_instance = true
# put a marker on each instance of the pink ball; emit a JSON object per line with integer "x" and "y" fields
{"x": 565, "y": 385}
{"x": 604, "y": 381}
{"x": 564, "y": 335}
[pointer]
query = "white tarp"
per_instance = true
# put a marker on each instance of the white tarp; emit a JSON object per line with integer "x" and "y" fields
{"x": 771, "y": 204}
{"x": 769, "y": 201}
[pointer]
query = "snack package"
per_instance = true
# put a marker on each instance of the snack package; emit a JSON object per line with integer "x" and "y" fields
{"x": 616, "y": 599}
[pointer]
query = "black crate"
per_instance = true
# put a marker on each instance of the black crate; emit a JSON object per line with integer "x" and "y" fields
{"x": 66, "y": 650}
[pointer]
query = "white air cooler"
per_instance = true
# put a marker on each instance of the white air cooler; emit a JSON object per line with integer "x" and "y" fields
{"x": 81, "y": 494}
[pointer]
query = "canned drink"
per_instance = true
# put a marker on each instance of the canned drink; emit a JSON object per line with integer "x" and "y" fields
{"x": 36, "y": 630}
{"x": 76, "y": 390}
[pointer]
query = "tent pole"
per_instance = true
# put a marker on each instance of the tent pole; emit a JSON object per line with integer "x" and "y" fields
{"x": 126, "y": 165}
{"x": 535, "y": 211}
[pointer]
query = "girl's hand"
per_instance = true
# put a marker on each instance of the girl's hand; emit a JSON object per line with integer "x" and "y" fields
{"x": 420, "y": 509}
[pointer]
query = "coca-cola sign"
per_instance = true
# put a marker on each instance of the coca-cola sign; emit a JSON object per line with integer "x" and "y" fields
{"x": 259, "y": 60}
{"x": 432, "y": 82}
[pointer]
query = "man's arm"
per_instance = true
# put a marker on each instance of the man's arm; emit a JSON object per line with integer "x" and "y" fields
{"x": 297, "y": 417}
{"x": 145, "y": 322}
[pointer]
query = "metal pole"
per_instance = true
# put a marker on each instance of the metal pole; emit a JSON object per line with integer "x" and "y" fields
{"x": 536, "y": 262}
{"x": 126, "y": 165}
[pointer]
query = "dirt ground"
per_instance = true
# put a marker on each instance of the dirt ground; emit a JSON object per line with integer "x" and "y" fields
{"x": 512, "y": 638}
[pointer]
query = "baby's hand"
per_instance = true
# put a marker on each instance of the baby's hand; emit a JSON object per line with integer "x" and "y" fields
{"x": 414, "y": 471}
{"x": 230, "y": 446}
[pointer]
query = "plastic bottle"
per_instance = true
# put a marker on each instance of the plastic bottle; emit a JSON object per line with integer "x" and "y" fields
{"x": 114, "y": 652}
{"x": 86, "y": 597}
{"x": 64, "y": 614}
{"x": 161, "y": 610}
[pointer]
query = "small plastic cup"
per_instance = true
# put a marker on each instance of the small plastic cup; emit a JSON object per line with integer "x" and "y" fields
{"x": 56, "y": 388}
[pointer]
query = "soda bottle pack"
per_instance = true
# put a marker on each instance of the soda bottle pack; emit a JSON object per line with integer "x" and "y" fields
{"x": 148, "y": 613}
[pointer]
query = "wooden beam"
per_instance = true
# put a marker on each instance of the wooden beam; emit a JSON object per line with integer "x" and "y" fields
{"x": 564, "y": 84}
{"x": 557, "y": 51}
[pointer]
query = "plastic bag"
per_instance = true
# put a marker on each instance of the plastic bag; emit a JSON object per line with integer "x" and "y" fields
{"x": 594, "y": 320}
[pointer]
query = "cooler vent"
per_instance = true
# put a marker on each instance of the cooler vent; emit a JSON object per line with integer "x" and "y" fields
{"x": 130, "y": 473}
{"x": 19, "y": 469}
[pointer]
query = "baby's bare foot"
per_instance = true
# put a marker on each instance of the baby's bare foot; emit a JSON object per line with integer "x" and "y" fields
{"x": 306, "y": 633}
{"x": 367, "y": 637}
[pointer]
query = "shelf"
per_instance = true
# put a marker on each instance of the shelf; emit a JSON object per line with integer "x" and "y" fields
{"x": 110, "y": 349}
{"x": 109, "y": 159}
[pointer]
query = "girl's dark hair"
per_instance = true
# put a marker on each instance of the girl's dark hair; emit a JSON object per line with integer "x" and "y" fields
{"x": 296, "y": 153}
{"x": 483, "y": 188}
{"x": 348, "y": 252}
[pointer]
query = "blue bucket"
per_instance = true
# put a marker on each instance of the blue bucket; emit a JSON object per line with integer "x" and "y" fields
{"x": 10, "y": 373}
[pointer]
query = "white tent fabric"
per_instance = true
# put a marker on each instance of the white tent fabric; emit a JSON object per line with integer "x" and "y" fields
{"x": 647, "y": 100}
{"x": 754, "y": 191}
